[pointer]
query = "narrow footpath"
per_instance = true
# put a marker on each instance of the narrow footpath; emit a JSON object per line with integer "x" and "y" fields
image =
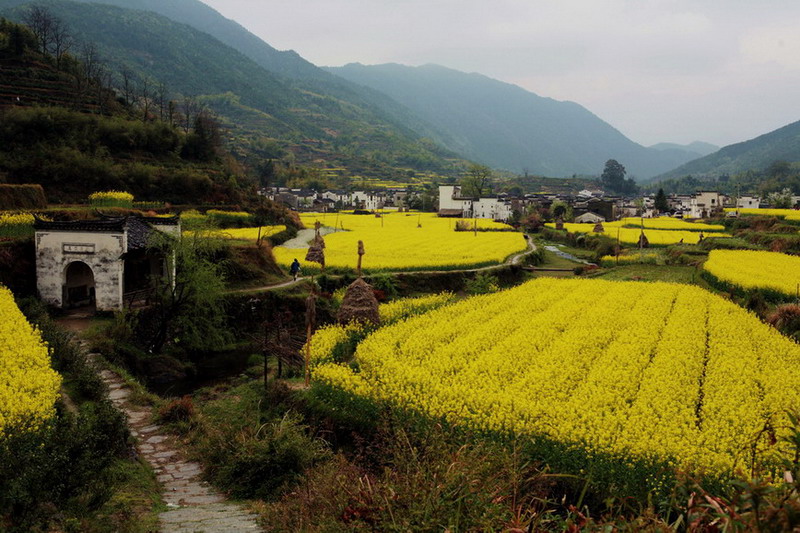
{"x": 193, "y": 506}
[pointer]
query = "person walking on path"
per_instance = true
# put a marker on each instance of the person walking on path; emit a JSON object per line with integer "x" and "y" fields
{"x": 294, "y": 270}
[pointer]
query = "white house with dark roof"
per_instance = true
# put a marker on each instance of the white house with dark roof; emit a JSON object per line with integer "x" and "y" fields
{"x": 101, "y": 262}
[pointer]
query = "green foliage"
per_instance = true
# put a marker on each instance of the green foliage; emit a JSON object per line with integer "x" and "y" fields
{"x": 252, "y": 447}
{"x": 74, "y": 154}
{"x": 386, "y": 284}
{"x": 482, "y": 283}
{"x": 62, "y": 464}
{"x": 661, "y": 204}
{"x": 188, "y": 313}
{"x": 613, "y": 179}
{"x": 477, "y": 182}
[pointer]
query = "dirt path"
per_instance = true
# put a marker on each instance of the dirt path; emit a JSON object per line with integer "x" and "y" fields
{"x": 193, "y": 506}
{"x": 515, "y": 259}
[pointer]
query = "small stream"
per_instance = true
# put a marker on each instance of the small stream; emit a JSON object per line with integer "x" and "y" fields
{"x": 561, "y": 253}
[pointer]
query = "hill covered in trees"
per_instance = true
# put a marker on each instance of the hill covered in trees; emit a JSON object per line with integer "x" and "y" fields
{"x": 265, "y": 116}
{"x": 61, "y": 126}
{"x": 782, "y": 144}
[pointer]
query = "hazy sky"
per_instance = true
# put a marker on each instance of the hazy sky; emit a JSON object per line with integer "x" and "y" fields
{"x": 721, "y": 71}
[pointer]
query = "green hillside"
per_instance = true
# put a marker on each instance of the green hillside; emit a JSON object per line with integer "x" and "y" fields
{"x": 505, "y": 126}
{"x": 289, "y": 65}
{"x": 314, "y": 128}
{"x": 780, "y": 145}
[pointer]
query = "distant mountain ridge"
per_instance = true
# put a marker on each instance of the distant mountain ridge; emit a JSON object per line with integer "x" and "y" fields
{"x": 782, "y": 144}
{"x": 697, "y": 147}
{"x": 505, "y": 126}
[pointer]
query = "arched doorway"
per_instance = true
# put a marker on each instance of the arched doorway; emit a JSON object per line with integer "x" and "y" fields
{"x": 79, "y": 287}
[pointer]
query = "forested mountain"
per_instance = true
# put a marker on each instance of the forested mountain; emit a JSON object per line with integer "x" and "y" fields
{"x": 259, "y": 108}
{"x": 505, "y": 126}
{"x": 782, "y": 144}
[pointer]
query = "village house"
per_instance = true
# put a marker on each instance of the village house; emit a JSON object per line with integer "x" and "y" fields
{"x": 705, "y": 203}
{"x": 103, "y": 263}
{"x": 748, "y": 202}
{"x": 589, "y": 218}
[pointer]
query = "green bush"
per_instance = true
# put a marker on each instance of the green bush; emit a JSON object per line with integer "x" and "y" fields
{"x": 62, "y": 465}
{"x": 482, "y": 283}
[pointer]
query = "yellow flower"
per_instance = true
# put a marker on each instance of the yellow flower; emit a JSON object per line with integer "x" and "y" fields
{"x": 28, "y": 386}
{"x": 657, "y": 370}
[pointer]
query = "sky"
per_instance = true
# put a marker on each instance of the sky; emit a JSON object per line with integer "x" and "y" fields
{"x": 719, "y": 71}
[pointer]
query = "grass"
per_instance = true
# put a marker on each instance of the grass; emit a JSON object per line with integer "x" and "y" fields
{"x": 674, "y": 274}
{"x": 135, "y": 503}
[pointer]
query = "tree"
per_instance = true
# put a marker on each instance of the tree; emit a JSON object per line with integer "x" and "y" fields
{"x": 613, "y": 179}
{"x": 61, "y": 40}
{"x": 40, "y": 21}
{"x": 189, "y": 305}
{"x": 128, "y": 80}
{"x": 661, "y": 203}
{"x": 477, "y": 181}
{"x": 780, "y": 199}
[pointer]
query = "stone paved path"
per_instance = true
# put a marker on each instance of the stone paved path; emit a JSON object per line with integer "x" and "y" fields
{"x": 193, "y": 505}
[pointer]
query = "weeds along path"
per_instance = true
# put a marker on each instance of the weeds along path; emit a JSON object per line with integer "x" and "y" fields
{"x": 192, "y": 505}
{"x": 514, "y": 259}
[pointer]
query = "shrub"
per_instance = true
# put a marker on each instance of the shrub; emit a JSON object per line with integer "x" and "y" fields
{"x": 483, "y": 283}
{"x": 786, "y": 318}
{"x": 21, "y": 197}
{"x": 178, "y": 410}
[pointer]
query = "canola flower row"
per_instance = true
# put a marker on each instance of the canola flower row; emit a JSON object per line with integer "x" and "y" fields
{"x": 28, "y": 386}
{"x": 646, "y": 258}
{"x": 407, "y": 241}
{"x": 328, "y": 339}
{"x": 664, "y": 223}
{"x": 245, "y": 234}
{"x": 111, "y": 198}
{"x": 788, "y": 214}
{"x": 16, "y": 219}
{"x": 756, "y": 269}
{"x": 658, "y": 371}
{"x": 656, "y": 237}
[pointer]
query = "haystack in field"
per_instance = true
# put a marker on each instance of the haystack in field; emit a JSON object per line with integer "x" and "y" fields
{"x": 559, "y": 223}
{"x": 598, "y": 228}
{"x": 316, "y": 253}
{"x": 359, "y": 304}
{"x": 643, "y": 242}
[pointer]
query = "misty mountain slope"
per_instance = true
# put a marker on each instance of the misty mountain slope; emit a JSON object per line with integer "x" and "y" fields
{"x": 506, "y": 126}
{"x": 314, "y": 126}
{"x": 698, "y": 147}
{"x": 782, "y": 144}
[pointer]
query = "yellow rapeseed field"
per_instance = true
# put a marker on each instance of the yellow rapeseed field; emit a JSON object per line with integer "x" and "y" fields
{"x": 655, "y": 236}
{"x": 641, "y": 371}
{"x": 407, "y": 241}
{"x": 788, "y": 214}
{"x": 245, "y": 234}
{"x": 28, "y": 386}
{"x": 755, "y": 269}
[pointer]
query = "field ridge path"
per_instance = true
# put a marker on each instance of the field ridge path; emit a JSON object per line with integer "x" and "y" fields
{"x": 193, "y": 505}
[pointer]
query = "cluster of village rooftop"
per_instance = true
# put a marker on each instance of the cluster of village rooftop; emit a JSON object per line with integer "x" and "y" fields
{"x": 588, "y": 205}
